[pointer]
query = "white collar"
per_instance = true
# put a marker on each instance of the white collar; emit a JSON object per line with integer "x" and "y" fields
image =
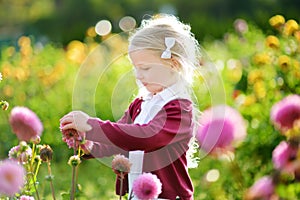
{"x": 153, "y": 103}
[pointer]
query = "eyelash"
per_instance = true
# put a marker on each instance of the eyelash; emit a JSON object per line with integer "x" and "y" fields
{"x": 145, "y": 69}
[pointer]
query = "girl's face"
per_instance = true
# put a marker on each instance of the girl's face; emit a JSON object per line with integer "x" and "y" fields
{"x": 154, "y": 72}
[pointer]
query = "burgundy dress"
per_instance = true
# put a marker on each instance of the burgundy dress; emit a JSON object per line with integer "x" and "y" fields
{"x": 164, "y": 139}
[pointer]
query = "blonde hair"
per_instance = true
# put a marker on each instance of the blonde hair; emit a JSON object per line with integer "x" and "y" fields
{"x": 152, "y": 33}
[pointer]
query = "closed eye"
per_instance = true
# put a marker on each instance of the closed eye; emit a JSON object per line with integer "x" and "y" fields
{"x": 143, "y": 67}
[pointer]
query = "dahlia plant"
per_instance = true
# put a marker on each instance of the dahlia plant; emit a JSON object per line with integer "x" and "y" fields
{"x": 221, "y": 128}
{"x": 75, "y": 140}
{"x": 282, "y": 53}
{"x": 3, "y": 104}
{"x": 121, "y": 167}
{"x": 18, "y": 173}
{"x": 146, "y": 186}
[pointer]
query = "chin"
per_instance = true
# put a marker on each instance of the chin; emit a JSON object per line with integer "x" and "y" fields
{"x": 154, "y": 88}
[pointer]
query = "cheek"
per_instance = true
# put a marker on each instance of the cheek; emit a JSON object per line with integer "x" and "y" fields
{"x": 164, "y": 75}
{"x": 156, "y": 76}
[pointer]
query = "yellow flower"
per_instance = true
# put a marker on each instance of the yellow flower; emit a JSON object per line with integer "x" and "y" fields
{"x": 255, "y": 75}
{"x": 284, "y": 62}
{"x": 260, "y": 89}
{"x": 234, "y": 70}
{"x": 296, "y": 69}
{"x": 76, "y": 51}
{"x": 277, "y": 21}
{"x": 7, "y": 69}
{"x": 24, "y": 41}
{"x": 21, "y": 74}
{"x": 272, "y": 42}
{"x": 261, "y": 59}
{"x": 290, "y": 27}
{"x": 297, "y": 35}
{"x": 91, "y": 32}
{"x": 249, "y": 100}
{"x": 8, "y": 91}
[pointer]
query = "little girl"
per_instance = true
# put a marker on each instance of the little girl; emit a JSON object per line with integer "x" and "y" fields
{"x": 160, "y": 121}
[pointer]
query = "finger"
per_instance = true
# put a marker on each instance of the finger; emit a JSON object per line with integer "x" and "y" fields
{"x": 70, "y": 114}
{"x": 68, "y": 126}
{"x": 66, "y": 119}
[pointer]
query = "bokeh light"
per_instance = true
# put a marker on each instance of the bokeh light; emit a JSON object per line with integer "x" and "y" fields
{"x": 103, "y": 27}
{"x": 212, "y": 175}
{"x": 127, "y": 23}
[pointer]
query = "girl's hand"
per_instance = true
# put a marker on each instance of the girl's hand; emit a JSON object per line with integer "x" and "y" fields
{"x": 75, "y": 120}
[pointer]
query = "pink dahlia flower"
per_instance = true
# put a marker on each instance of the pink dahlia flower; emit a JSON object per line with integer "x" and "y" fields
{"x": 87, "y": 146}
{"x": 147, "y": 186}
{"x": 120, "y": 164}
{"x": 220, "y": 127}
{"x": 24, "y": 197}
{"x": 25, "y": 124}
{"x": 283, "y": 154}
{"x": 73, "y": 138}
{"x": 12, "y": 177}
{"x": 285, "y": 113}
{"x": 262, "y": 189}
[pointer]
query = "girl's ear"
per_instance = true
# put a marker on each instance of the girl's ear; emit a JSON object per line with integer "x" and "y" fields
{"x": 175, "y": 64}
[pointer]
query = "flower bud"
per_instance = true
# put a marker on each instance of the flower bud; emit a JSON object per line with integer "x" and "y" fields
{"x": 36, "y": 139}
{"x": 39, "y": 147}
{"x": 23, "y": 146}
{"x": 49, "y": 177}
{"x": 20, "y": 154}
{"x": 277, "y": 21}
{"x": 37, "y": 158}
{"x": 74, "y": 160}
{"x": 46, "y": 153}
{"x": 4, "y": 105}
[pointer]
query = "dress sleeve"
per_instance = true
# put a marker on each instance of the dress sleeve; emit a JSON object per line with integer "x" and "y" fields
{"x": 172, "y": 124}
{"x": 131, "y": 113}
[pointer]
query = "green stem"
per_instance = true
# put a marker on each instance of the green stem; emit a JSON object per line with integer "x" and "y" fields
{"x": 79, "y": 151}
{"x": 33, "y": 175}
{"x": 51, "y": 183}
{"x": 73, "y": 183}
{"x": 237, "y": 175}
{"x": 33, "y": 155}
{"x": 34, "y": 185}
{"x": 37, "y": 168}
{"x": 72, "y": 194}
{"x": 76, "y": 174}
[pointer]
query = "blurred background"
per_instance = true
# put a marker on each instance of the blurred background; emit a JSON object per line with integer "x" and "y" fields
{"x": 45, "y": 43}
{"x": 65, "y": 20}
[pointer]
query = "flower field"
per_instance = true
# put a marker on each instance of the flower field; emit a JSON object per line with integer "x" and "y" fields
{"x": 255, "y": 156}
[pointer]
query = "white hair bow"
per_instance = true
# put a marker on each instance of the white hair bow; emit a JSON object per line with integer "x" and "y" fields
{"x": 169, "y": 42}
